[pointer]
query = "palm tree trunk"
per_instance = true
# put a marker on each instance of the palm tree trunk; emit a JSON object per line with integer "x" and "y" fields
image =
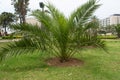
{"x": 20, "y": 20}
{"x": 23, "y": 19}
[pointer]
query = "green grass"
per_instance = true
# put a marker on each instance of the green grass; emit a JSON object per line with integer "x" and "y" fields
{"x": 98, "y": 65}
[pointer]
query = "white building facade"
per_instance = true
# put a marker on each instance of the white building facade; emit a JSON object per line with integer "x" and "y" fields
{"x": 112, "y": 20}
{"x": 33, "y": 21}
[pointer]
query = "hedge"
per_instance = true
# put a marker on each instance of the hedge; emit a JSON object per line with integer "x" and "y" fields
{"x": 11, "y": 37}
{"x": 107, "y": 37}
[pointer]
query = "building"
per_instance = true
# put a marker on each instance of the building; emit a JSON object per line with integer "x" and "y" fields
{"x": 115, "y": 19}
{"x": 33, "y": 21}
{"x": 29, "y": 20}
{"x": 105, "y": 22}
{"x": 112, "y": 20}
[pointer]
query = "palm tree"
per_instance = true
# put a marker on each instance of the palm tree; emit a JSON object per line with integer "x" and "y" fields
{"x": 21, "y": 8}
{"x": 59, "y": 36}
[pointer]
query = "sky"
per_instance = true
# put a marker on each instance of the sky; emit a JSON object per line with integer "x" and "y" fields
{"x": 107, "y": 8}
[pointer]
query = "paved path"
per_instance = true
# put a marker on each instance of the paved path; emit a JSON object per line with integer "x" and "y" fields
{"x": 8, "y": 40}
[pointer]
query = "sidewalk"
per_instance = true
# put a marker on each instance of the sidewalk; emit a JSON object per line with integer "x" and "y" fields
{"x": 2, "y": 40}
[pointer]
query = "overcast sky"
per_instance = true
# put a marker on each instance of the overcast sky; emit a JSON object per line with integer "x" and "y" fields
{"x": 108, "y": 7}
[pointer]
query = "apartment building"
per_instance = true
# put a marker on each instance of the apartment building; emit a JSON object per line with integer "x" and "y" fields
{"x": 105, "y": 22}
{"x": 115, "y": 19}
{"x": 112, "y": 20}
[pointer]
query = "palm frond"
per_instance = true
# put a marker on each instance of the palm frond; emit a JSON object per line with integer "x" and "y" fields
{"x": 89, "y": 40}
{"x": 83, "y": 13}
{"x": 34, "y": 29}
{"x": 24, "y": 46}
{"x": 44, "y": 18}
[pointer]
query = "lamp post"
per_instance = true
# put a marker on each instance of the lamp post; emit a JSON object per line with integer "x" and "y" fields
{"x": 42, "y": 5}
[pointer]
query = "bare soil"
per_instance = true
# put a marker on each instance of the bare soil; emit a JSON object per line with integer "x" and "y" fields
{"x": 58, "y": 63}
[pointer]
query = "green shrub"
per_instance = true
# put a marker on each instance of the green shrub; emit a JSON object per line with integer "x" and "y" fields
{"x": 6, "y": 37}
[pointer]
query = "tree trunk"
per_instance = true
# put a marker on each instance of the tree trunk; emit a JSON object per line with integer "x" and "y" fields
{"x": 20, "y": 20}
{"x": 23, "y": 19}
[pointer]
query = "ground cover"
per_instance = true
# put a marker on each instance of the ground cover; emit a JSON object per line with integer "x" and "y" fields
{"x": 98, "y": 65}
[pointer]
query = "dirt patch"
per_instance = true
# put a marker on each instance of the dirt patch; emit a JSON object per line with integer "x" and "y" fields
{"x": 71, "y": 62}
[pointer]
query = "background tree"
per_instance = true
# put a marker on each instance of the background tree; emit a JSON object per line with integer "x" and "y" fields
{"x": 21, "y": 8}
{"x": 93, "y": 25}
{"x": 6, "y": 18}
{"x": 117, "y": 28}
{"x": 110, "y": 29}
{"x": 60, "y": 34}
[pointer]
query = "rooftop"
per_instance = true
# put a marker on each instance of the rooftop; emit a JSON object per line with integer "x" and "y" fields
{"x": 116, "y": 15}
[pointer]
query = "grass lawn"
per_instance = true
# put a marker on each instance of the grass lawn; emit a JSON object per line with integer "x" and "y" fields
{"x": 98, "y": 65}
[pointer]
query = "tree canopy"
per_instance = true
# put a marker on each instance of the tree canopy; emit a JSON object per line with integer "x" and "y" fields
{"x": 21, "y": 8}
{"x": 6, "y": 18}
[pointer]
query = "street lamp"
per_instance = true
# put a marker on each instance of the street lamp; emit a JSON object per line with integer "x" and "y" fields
{"x": 41, "y": 4}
